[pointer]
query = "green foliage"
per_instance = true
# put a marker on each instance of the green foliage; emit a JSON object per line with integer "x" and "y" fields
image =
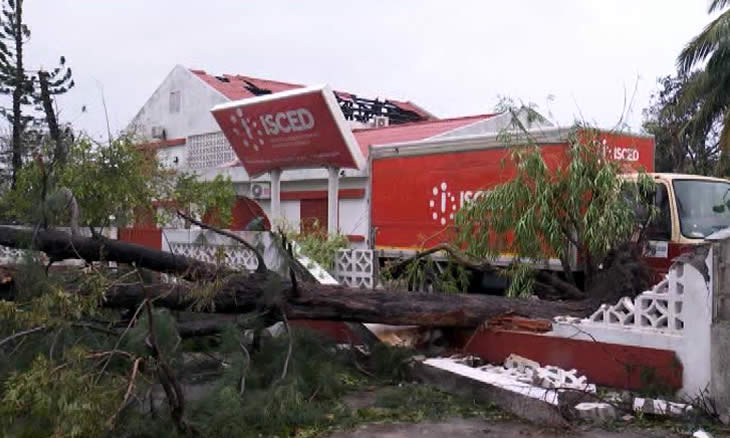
{"x": 166, "y": 334}
{"x": 319, "y": 246}
{"x": 309, "y": 401}
{"x": 682, "y": 146}
{"x": 111, "y": 183}
{"x": 708, "y": 87}
{"x": 109, "y": 180}
{"x": 426, "y": 274}
{"x": 49, "y": 300}
{"x": 198, "y": 198}
{"x": 542, "y": 211}
{"x": 58, "y": 400}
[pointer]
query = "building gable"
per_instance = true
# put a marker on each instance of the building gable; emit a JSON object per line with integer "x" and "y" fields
{"x": 179, "y": 108}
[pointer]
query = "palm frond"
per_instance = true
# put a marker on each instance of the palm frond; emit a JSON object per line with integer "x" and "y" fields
{"x": 708, "y": 92}
{"x": 701, "y": 46}
{"x": 716, "y": 5}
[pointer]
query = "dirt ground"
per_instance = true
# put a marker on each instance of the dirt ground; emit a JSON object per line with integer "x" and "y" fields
{"x": 469, "y": 428}
{"x": 458, "y": 427}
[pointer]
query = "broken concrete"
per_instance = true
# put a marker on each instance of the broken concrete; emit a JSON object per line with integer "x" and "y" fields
{"x": 522, "y": 364}
{"x": 595, "y": 412}
{"x": 660, "y": 407}
{"x": 533, "y": 404}
{"x": 549, "y": 376}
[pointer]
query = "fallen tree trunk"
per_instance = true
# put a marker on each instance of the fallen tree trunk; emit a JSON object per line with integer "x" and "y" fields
{"x": 270, "y": 294}
{"x": 266, "y": 293}
{"x": 59, "y": 245}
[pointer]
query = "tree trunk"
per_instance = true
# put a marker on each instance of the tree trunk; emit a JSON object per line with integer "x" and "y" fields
{"x": 59, "y": 155}
{"x": 18, "y": 91}
{"x": 268, "y": 293}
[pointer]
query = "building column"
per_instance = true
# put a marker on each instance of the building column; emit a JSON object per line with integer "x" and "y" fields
{"x": 275, "y": 196}
{"x": 333, "y": 188}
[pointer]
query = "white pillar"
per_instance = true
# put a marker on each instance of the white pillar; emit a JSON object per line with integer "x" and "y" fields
{"x": 275, "y": 196}
{"x": 333, "y": 188}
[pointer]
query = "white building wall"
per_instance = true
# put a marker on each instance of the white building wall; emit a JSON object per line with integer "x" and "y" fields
{"x": 290, "y": 210}
{"x": 167, "y": 155}
{"x": 353, "y": 217}
{"x": 193, "y": 117}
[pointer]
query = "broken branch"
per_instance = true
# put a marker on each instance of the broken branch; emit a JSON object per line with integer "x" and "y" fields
{"x": 261, "y": 264}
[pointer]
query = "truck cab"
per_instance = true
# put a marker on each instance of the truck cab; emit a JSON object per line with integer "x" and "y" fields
{"x": 689, "y": 208}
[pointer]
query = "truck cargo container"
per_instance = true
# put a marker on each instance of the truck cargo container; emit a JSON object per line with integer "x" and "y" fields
{"x": 416, "y": 189}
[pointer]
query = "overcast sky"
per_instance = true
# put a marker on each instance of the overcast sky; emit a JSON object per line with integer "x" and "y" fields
{"x": 451, "y": 57}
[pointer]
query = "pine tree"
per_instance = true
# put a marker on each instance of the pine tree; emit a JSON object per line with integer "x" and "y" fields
{"x": 13, "y": 78}
{"x": 27, "y": 87}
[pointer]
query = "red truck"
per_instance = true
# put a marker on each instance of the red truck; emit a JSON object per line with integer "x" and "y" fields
{"x": 416, "y": 188}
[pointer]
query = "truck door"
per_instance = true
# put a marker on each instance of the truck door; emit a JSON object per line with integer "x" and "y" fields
{"x": 659, "y": 231}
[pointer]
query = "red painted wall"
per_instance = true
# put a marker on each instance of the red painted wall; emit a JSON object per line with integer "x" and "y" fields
{"x": 618, "y": 366}
{"x": 335, "y": 330}
{"x": 322, "y": 194}
{"x": 311, "y": 210}
{"x": 148, "y": 237}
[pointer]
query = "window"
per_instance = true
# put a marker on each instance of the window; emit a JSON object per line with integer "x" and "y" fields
{"x": 660, "y": 227}
{"x": 703, "y": 206}
{"x": 175, "y": 101}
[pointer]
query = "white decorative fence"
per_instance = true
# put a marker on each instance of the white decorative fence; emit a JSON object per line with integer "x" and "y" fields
{"x": 674, "y": 315}
{"x": 355, "y": 268}
{"x": 11, "y": 255}
{"x": 237, "y": 257}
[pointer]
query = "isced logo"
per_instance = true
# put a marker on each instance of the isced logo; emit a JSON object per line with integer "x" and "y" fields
{"x": 444, "y": 204}
{"x": 625, "y": 154}
{"x": 255, "y": 129}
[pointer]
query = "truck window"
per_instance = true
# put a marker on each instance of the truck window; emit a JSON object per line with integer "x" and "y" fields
{"x": 703, "y": 206}
{"x": 660, "y": 228}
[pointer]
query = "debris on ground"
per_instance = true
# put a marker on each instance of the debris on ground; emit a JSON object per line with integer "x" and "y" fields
{"x": 595, "y": 412}
{"x": 660, "y": 407}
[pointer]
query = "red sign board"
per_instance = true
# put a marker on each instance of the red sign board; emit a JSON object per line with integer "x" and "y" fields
{"x": 301, "y": 128}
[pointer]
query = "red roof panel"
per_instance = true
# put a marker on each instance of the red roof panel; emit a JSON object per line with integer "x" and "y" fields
{"x": 234, "y": 88}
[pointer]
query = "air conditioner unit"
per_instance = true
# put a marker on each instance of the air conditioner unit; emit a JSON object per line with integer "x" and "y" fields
{"x": 261, "y": 190}
{"x": 380, "y": 121}
{"x": 158, "y": 132}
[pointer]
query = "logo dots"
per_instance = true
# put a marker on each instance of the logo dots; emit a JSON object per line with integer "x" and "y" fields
{"x": 442, "y": 204}
{"x": 248, "y": 129}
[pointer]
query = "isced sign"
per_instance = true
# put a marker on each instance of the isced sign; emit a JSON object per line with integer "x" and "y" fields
{"x": 300, "y": 128}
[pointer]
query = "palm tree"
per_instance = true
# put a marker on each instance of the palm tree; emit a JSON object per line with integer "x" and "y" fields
{"x": 711, "y": 86}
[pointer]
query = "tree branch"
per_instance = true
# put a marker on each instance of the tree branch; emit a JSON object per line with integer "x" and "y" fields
{"x": 21, "y": 334}
{"x": 261, "y": 264}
